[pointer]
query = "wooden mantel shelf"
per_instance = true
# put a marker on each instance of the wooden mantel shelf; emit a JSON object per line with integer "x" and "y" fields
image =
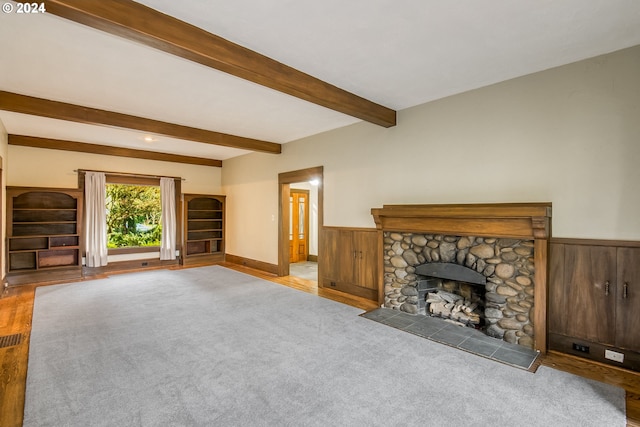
{"x": 517, "y": 220}
{"x": 507, "y": 220}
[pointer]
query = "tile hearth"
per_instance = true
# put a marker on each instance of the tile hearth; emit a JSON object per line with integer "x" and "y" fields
{"x": 467, "y": 339}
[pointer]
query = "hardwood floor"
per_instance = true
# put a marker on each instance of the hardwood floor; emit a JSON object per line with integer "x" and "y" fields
{"x": 308, "y": 286}
{"x": 16, "y": 309}
{"x": 628, "y": 380}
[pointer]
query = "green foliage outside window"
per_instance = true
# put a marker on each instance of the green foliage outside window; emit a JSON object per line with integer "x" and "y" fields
{"x": 133, "y": 215}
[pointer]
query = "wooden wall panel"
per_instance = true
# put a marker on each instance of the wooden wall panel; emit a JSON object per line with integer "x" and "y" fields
{"x": 349, "y": 261}
{"x": 557, "y": 302}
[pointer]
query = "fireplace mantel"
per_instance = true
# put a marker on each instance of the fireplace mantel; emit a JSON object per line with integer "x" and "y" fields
{"x": 501, "y": 220}
{"x": 517, "y": 220}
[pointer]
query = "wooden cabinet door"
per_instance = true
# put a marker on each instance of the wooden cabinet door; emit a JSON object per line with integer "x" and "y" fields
{"x": 366, "y": 246}
{"x": 590, "y": 280}
{"x": 349, "y": 261}
{"x": 337, "y": 256}
{"x": 628, "y": 298}
{"x": 346, "y": 257}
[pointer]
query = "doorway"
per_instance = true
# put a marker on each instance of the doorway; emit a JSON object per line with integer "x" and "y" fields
{"x": 298, "y": 225}
{"x": 303, "y": 233}
{"x": 289, "y": 235}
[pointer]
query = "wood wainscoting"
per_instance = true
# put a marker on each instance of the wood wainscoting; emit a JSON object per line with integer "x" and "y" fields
{"x": 594, "y": 300}
{"x": 349, "y": 260}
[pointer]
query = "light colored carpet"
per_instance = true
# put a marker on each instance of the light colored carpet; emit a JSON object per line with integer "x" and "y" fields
{"x": 213, "y": 347}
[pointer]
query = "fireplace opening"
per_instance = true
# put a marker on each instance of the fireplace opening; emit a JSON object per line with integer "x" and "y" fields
{"x": 452, "y": 292}
{"x": 458, "y": 302}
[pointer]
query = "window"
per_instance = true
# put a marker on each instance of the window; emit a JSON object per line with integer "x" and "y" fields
{"x": 133, "y": 215}
{"x": 130, "y": 216}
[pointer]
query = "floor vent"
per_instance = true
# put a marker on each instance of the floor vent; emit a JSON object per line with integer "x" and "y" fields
{"x": 10, "y": 340}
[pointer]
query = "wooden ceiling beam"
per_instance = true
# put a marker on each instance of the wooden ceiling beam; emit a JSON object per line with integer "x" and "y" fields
{"x": 134, "y": 21}
{"x": 75, "y": 113}
{"x": 58, "y": 144}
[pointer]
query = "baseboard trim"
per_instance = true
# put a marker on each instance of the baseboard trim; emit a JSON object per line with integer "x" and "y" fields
{"x": 252, "y": 263}
{"x": 312, "y": 258}
{"x": 56, "y": 274}
{"x": 588, "y": 368}
{"x": 370, "y": 294}
{"x": 596, "y": 351}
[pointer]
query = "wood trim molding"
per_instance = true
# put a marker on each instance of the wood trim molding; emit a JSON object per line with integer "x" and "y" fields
{"x": 131, "y": 180}
{"x": 252, "y": 263}
{"x": 76, "y": 113}
{"x": 114, "y": 177}
{"x": 596, "y": 242}
{"x": 284, "y": 216}
{"x": 141, "y": 24}
{"x": 516, "y": 220}
{"x": 335, "y": 227}
{"x": 302, "y": 175}
{"x": 57, "y": 144}
{"x": 284, "y": 181}
{"x": 510, "y": 220}
{"x": 21, "y": 189}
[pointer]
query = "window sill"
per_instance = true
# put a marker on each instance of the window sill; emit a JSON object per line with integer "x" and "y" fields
{"x": 134, "y": 250}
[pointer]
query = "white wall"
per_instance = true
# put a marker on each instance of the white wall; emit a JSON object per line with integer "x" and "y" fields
{"x": 36, "y": 167}
{"x": 568, "y": 135}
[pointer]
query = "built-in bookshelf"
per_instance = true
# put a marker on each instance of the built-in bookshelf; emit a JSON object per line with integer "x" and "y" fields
{"x": 43, "y": 231}
{"x": 203, "y": 229}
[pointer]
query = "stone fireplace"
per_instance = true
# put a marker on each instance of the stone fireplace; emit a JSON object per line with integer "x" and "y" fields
{"x": 482, "y": 266}
{"x": 502, "y": 285}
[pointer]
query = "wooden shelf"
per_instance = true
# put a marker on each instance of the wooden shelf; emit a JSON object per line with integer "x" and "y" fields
{"x": 43, "y": 230}
{"x": 203, "y": 228}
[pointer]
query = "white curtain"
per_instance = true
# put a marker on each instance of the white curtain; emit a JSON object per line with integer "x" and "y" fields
{"x": 168, "y": 201}
{"x": 96, "y": 219}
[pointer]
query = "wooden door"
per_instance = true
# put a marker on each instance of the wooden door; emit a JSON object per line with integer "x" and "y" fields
{"x": 298, "y": 225}
{"x": 338, "y": 257}
{"x": 628, "y": 298}
{"x": 350, "y": 261}
{"x": 366, "y": 246}
{"x": 590, "y": 280}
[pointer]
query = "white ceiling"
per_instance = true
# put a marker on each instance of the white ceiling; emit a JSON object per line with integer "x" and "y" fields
{"x": 398, "y": 53}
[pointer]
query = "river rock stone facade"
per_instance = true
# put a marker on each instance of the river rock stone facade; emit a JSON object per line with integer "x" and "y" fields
{"x": 508, "y": 265}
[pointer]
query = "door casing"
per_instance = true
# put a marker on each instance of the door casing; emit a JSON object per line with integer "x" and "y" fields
{"x": 285, "y": 180}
